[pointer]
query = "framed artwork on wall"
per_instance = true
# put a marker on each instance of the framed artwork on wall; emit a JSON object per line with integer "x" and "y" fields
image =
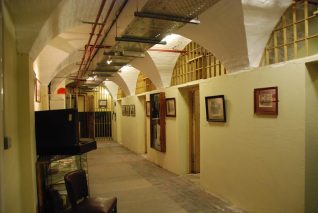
{"x": 215, "y": 108}
{"x": 123, "y": 110}
{"x": 148, "y": 108}
{"x": 266, "y": 101}
{"x": 132, "y": 110}
{"x": 102, "y": 104}
{"x": 170, "y": 107}
{"x": 127, "y": 110}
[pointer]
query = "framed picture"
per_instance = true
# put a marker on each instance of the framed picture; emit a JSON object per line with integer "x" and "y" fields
{"x": 148, "y": 108}
{"x": 102, "y": 104}
{"x": 37, "y": 90}
{"x": 215, "y": 108}
{"x": 266, "y": 101}
{"x": 171, "y": 107}
{"x": 127, "y": 110}
{"x": 132, "y": 110}
{"x": 123, "y": 110}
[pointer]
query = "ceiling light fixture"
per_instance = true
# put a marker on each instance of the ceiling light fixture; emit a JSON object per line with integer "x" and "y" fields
{"x": 171, "y": 37}
{"x": 109, "y": 60}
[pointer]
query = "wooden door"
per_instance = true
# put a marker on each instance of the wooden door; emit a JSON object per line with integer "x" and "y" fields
{"x": 194, "y": 130}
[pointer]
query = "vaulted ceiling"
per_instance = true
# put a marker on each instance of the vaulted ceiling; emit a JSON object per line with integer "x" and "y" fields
{"x": 55, "y": 33}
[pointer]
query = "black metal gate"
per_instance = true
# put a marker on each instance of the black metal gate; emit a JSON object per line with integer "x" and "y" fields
{"x": 103, "y": 124}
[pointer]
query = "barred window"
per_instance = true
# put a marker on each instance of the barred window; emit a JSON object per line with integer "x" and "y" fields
{"x": 196, "y": 63}
{"x": 295, "y": 35}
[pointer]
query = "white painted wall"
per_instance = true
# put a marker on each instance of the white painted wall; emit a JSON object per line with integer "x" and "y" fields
{"x": 175, "y": 159}
{"x": 255, "y": 162}
{"x": 11, "y": 170}
{"x": 57, "y": 101}
{"x": 132, "y": 128}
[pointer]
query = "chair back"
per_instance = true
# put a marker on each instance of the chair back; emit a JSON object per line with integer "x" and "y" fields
{"x": 76, "y": 186}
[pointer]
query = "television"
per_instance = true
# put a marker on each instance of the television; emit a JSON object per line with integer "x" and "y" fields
{"x": 56, "y": 128}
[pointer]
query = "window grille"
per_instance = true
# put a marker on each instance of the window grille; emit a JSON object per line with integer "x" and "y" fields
{"x": 120, "y": 93}
{"x": 295, "y": 35}
{"x": 196, "y": 63}
{"x": 144, "y": 84}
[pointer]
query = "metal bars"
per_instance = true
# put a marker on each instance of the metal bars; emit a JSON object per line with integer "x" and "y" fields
{"x": 196, "y": 63}
{"x": 144, "y": 84}
{"x": 295, "y": 36}
{"x": 103, "y": 108}
{"x": 120, "y": 93}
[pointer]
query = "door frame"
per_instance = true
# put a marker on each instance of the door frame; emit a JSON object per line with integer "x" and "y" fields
{"x": 191, "y": 94}
{"x": 2, "y": 113}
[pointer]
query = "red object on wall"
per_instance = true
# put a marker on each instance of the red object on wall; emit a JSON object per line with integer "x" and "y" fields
{"x": 61, "y": 90}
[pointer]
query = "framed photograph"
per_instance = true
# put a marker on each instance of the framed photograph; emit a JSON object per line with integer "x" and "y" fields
{"x": 102, "y": 104}
{"x": 127, "y": 110}
{"x": 123, "y": 110}
{"x": 215, "y": 108}
{"x": 148, "y": 108}
{"x": 37, "y": 90}
{"x": 171, "y": 107}
{"x": 132, "y": 110}
{"x": 266, "y": 101}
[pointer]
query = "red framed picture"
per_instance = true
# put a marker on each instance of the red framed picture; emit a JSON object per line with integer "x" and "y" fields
{"x": 266, "y": 101}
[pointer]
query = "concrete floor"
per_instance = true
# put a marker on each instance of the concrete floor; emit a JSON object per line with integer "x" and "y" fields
{"x": 141, "y": 186}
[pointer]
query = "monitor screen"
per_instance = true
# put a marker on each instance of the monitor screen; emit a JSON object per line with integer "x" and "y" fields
{"x": 57, "y": 127}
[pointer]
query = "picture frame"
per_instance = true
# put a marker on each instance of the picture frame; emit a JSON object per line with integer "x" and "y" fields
{"x": 215, "y": 108}
{"x": 266, "y": 101}
{"x": 148, "y": 108}
{"x": 170, "y": 107}
{"x": 37, "y": 91}
{"x": 123, "y": 110}
{"x": 102, "y": 103}
{"x": 132, "y": 110}
{"x": 127, "y": 110}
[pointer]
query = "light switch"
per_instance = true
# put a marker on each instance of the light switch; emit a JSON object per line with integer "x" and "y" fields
{"x": 7, "y": 143}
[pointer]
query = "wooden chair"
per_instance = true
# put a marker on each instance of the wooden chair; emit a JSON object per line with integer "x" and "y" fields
{"x": 77, "y": 191}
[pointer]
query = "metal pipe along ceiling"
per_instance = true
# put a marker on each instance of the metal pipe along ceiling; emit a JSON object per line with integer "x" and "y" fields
{"x": 87, "y": 47}
{"x": 93, "y": 48}
{"x": 98, "y": 35}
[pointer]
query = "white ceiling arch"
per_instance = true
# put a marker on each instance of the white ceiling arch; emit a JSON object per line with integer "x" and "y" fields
{"x": 235, "y": 31}
{"x": 129, "y": 75}
{"x": 117, "y": 79}
{"x": 112, "y": 88}
{"x": 259, "y": 25}
{"x": 165, "y": 61}
{"x": 147, "y": 66}
{"x": 222, "y": 32}
{"x": 69, "y": 14}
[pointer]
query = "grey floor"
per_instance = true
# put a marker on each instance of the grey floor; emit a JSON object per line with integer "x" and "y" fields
{"x": 141, "y": 186}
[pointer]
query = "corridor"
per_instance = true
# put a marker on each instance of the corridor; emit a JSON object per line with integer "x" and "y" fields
{"x": 141, "y": 186}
